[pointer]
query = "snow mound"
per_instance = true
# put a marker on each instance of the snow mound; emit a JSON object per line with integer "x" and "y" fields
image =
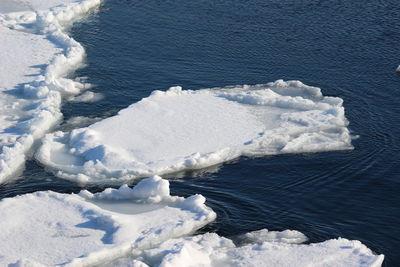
{"x": 213, "y": 250}
{"x": 90, "y": 228}
{"x": 182, "y": 129}
{"x": 36, "y": 56}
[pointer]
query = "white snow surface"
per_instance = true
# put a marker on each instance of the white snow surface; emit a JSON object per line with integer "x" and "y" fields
{"x": 35, "y": 56}
{"x": 182, "y": 129}
{"x": 8, "y": 6}
{"x": 212, "y": 250}
{"x": 78, "y": 230}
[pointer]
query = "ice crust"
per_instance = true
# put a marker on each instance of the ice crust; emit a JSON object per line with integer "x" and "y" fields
{"x": 213, "y": 250}
{"x": 182, "y": 129}
{"x": 35, "y": 57}
{"x": 69, "y": 229}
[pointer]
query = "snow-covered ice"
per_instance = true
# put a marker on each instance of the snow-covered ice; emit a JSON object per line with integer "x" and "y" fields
{"x": 35, "y": 56}
{"x": 212, "y": 250}
{"x": 7, "y": 6}
{"x": 21, "y": 119}
{"x": 80, "y": 229}
{"x": 146, "y": 226}
{"x": 182, "y": 129}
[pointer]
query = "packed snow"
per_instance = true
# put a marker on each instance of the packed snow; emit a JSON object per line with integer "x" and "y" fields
{"x": 60, "y": 229}
{"x": 35, "y": 57}
{"x": 182, "y": 129}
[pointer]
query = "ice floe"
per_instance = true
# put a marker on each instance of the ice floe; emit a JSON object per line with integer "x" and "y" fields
{"x": 182, "y": 129}
{"x": 8, "y": 6}
{"x": 146, "y": 226}
{"x": 35, "y": 57}
{"x": 80, "y": 229}
{"x": 213, "y": 250}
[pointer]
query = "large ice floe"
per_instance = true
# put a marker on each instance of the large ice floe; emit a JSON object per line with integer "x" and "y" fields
{"x": 146, "y": 226}
{"x": 182, "y": 129}
{"x": 212, "y": 250}
{"x": 36, "y": 55}
{"x": 84, "y": 229}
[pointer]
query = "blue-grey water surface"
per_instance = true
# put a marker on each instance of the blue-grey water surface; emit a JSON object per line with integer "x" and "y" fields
{"x": 348, "y": 48}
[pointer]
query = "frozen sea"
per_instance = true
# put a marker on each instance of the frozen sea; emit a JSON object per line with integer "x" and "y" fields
{"x": 350, "y": 49}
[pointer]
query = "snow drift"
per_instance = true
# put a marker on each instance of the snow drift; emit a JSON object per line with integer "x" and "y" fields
{"x": 182, "y": 129}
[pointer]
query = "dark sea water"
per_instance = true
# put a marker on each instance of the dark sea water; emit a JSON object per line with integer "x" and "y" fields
{"x": 348, "y": 48}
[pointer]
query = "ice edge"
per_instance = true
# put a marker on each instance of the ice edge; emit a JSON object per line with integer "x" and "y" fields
{"x": 50, "y": 88}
